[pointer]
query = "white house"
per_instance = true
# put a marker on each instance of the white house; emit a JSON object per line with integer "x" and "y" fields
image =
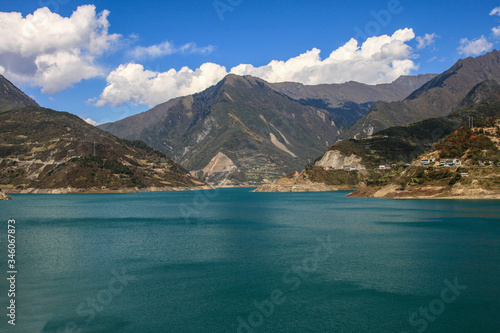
{"x": 427, "y": 161}
{"x": 449, "y": 162}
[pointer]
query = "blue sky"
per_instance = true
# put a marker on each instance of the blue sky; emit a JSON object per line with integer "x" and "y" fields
{"x": 106, "y": 60}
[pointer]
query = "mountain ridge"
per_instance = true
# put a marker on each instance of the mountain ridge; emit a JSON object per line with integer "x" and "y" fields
{"x": 438, "y": 97}
{"x": 349, "y": 101}
{"x": 337, "y": 93}
{"x": 12, "y": 97}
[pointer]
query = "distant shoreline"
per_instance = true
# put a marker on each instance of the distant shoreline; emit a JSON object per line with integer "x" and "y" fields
{"x": 389, "y": 192}
{"x": 366, "y": 192}
{"x": 426, "y": 192}
{"x": 70, "y": 190}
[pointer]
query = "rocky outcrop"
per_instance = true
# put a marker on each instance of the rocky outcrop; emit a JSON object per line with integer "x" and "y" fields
{"x": 299, "y": 184}
{"x": 217, "y": 170}
{"x": 220, "y": 163}
{"x": 334, "y": 159}
{"x": 5, "y": 196}
{"x": 427, "y": 192}
{"x": 307, "y": 182}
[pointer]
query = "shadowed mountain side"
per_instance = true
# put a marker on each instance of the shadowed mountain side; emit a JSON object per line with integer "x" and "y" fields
{"x": 348, "y": 102}
{"x": 438, "y": 97}
{"x": 11, "y": 97}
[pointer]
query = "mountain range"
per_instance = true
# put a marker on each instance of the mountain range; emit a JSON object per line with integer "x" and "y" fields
{"x": 348, "y": 102}
{"x": 381, "y": 159}
{"x": 438, "y": 97}
{"x": 245, "y": 130}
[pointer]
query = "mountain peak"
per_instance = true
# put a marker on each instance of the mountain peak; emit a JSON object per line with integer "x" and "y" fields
{"x": 248, "y": 80}
{"x": 11, "y": 97}
{"x": 492, "y": 55}
{"x": 240, "y": 131}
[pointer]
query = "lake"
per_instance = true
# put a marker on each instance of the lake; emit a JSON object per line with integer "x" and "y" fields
{"x": 234, "y": 261}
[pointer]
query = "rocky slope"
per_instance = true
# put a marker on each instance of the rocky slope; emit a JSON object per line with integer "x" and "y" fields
{"x": 334, "y": 159}
{"x": 403, "y": 143}
{"x": 438, "y": 97}
{"x": 240, "y": 131}
{"x": 473, "y": 173}
{"x": 4, "y": 196}
{"x": 11, "y": 97}
{"x": 45, "y": 150}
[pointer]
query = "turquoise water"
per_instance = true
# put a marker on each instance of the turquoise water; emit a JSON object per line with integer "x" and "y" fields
{"x": 234, "y": 261}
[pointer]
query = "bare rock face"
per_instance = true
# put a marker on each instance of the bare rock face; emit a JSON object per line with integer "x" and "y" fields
{"x": 220, "y": 163}
{"x": 218, "y": 170}
{"x": 334, "y": 159}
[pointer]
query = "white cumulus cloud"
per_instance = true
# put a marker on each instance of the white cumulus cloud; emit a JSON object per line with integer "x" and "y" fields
{"x": 379, "y": 59}
{"x": 90, "y": 121}
{"x": 475, "y": 46}
{"x": 132, "y": 83}
{"x": 51, "y": 51}
{"x": 426, "y": 40}
{"x": 167, "y": 48}
{"x": 496, "y": 32}
{"x": 495, "y": 11}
